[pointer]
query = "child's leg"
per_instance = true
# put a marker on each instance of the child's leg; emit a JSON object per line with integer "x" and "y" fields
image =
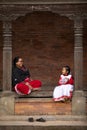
{"x": 58, "y": 94}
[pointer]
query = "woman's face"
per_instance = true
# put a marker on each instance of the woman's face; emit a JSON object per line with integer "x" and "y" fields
{"x": 19, "y": 64}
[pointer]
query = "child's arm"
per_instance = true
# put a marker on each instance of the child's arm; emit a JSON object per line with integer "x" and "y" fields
{"x": 71, "y": 81}
{"x": 66, "y": 80}
{"x": 62, "y": 80}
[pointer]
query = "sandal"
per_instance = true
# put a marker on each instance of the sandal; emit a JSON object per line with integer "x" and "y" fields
{"x": 31, "y": 119}
{"x": 40, "y": 120}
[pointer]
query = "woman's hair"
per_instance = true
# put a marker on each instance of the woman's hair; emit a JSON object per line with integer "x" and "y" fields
{"x": 15, "y": 60}
{"x": 67, "y": 69}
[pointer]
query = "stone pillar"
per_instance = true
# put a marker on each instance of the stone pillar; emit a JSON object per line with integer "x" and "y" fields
{"x": 79, "y": 99}
{"x": 7, "y": 55}
{"x": 7, "y": 100}
{"x": 78, "y": 53}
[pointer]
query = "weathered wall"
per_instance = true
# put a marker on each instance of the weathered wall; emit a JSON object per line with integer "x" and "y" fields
{"x": 1, "y": 55}
{"x": 46, "y": 43}
{"x": 85, "y": 54}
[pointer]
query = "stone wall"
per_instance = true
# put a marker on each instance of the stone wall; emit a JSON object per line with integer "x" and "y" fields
{"x": 85, "y": 54}
{"x": 1, "y": 54}
{"x": 46, "y": 43}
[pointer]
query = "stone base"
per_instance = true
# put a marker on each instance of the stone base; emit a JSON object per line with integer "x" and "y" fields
{"x": 7, "y": 104}
{"x": 79, "y": 103}
{"x": 41, "y": 106}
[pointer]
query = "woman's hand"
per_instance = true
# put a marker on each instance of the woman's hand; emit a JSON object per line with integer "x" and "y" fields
{"x": 27, "y": 83}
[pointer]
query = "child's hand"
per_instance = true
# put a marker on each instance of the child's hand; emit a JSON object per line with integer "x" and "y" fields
{"x": 66, "y": 80}
{"x": 63, "y": 81}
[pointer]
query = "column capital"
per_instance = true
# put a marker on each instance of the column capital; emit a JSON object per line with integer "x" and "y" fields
{"x": 78, "y": 23}
{"x": 10, "y": 17}
{"x": 77, "y": 17}
{"x": 78, "y": 31}
{"x": 7, "y": 35}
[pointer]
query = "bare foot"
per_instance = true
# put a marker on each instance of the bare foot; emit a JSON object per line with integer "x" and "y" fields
{"x": 29, "y": 85}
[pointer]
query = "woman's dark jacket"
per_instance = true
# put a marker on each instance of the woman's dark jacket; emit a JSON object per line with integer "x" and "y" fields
{"x": 19, "y": 75}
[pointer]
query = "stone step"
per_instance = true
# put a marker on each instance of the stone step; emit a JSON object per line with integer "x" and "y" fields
{"x": 48, "y": 125}
{"x": 60, "y": 122}
{"x": 41, "y": 106}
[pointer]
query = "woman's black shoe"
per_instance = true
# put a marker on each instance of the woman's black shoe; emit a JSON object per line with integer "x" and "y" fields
{"x": 40, "y": 120}
{"x": 31, "y": 119}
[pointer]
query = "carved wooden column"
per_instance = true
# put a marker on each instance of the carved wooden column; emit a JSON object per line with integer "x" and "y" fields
{"x": 78, "y": 53}
{"x": 7, "y": 101}
{"x": 79, "y": 100}
{"x": 7, "y": 55}
{"x": 7, "y": 48}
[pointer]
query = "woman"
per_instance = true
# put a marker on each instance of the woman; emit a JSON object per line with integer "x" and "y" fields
{"x": 21, "y": 79}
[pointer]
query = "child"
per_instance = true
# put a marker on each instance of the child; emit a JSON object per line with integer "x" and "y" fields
{"x": 64, "y": 89}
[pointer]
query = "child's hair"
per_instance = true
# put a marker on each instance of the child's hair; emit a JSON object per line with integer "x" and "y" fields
{"x": 67, "y": 69}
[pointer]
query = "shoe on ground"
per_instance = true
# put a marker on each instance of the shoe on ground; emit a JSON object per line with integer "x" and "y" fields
{"x": 31, "y": 119}
{"x": 40, "y": 120}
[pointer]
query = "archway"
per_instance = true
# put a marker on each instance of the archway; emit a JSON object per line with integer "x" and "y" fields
{"x": 45, "y": 41}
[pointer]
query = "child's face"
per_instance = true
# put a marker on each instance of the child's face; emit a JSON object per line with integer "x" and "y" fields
{"x": 64, "y": 71}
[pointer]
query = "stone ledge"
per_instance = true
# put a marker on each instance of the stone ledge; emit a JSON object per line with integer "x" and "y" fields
{"x": 47, "y": 117}
{"x": 43, "y": 1}
{"x": 41, "y": 106}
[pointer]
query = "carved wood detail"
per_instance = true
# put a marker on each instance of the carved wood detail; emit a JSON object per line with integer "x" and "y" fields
{"x": 13, "y": 11}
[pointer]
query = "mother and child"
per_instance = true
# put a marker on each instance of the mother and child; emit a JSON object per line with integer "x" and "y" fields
{"x": 23, "y": 84}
